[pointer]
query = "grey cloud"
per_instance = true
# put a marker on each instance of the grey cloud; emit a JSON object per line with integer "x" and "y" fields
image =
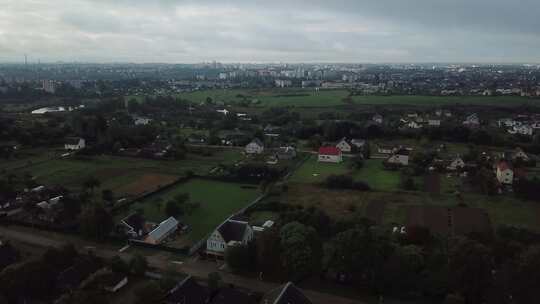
{"x": 279, "y": 30}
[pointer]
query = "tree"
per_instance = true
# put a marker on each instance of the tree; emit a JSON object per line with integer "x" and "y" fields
{"x": 91, "y": 183}
{"x": 471, "y": 266}
{"x": 301, "y": 250}
{"x": 403, "y": 269}
{"x": 107, "y": 195}
{"x": 138, "y": 264}
{"x": 96, "y": 222}
{"x": 238, "y": 257}
{"x": 526, "y": 281}
{"x": 173, "y": 208}
{"x": 214, "y": 281}
{"x": 119, "y": 265}
{"x": 148, "y": 293}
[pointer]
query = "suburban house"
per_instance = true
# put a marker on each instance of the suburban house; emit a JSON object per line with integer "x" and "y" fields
{"x": 520, "y": 154}
{"x": 330, "y": 154}
{"x": 285, "y": 294}
{"x": 472, "y": 121}
{"x": 286, "y": 153}
{"x": 229, "y": 233}
{"x": 141, "y": 121}
{"x": 401, "y": 157}
{"x": 133, "y": 225}
{"x": 434, "y": 122}
{"x": 188, "y": 291}
{"x": 162, "y": 231}
{"x": 74, "y": 143}
{"x": 377, "y": 118}
{"x": 255, "y": 147}
{"x": 522, "y": 130}
{"x": 351, "y": 146}
{"x": 382, "y": 149}
{"x": 505, "y": 173}
{"x": 447, "y": 221}
{"x": 455, "y": 164}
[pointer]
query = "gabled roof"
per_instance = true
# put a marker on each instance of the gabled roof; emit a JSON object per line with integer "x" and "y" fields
{"x": 286, "y": 294}
{"x": 232, "y": 230}
{"x": 188, "y": 291}
{"x": 163, "y": 228}
{"x": 329, "y": 151}
{"x": 502, "y": 166}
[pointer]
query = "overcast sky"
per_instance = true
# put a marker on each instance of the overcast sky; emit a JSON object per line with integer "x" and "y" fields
{"x": 270, "y": 31}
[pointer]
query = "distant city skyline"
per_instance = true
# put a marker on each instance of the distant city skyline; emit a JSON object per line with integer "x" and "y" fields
{"x": 295, "y": 31}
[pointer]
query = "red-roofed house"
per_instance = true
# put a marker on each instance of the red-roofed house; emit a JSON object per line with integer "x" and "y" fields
{"x": 330, "y": 155}
{"x": 505, "y": 174}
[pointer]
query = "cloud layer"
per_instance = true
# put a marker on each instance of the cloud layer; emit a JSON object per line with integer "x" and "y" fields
{"x": 271, "y": 31}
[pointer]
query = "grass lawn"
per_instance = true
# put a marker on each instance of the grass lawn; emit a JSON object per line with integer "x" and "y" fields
{"x": 115, "y": 172}
{"x": 329, "y": 98}
{"x": 377, "y": 178}
{"x": 443, "y": 100}
{"x": 218, "y": 201}
{"x": 313, "y": 171}
{"x": 26, "y": 157}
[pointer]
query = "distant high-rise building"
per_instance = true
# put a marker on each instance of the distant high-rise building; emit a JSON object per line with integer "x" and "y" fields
{"x": 49, "y": 86}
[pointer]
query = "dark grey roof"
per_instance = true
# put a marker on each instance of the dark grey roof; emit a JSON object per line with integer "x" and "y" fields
{"x": 228, "y": 295}
{"x": 188, "y": 291}
{"x": 232, "y": 230}
{"x": 286, "y": 294}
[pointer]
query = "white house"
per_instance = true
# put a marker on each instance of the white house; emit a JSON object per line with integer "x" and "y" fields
{"x": 141, "y": 121}
{"x": 377, "y": 118}
{"x": 505, "y": 174}
{"x": 255, "y": 147}
{"x": 330, "y": 155}
{"x": 414, "y": 125}
{"x": 75, "y": 143}
{"x": 472, "y": 120}
{"x": 519, "y": 154}
{"x": 523, "y": 130}
{"x": 401, "y": 157}
{"x": 433, "y": 122}
{"x": 162, "y": 231}
{"x": 229, "y": 233}
{"x": 455, "y": 164}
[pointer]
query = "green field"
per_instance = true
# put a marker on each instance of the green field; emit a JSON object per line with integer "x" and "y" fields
{"x": 330, "y": 98}
{"x": 114, "y": 172}
{"x": 313, "y": 171}
{"x": 218, "y": 201}
{"x": 377, "y": 178}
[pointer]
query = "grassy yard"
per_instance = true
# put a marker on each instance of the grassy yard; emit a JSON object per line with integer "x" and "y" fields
{"x": 377, "y": 178}
{"x": 313, "y": 171}
{"x": 218, "y": 201}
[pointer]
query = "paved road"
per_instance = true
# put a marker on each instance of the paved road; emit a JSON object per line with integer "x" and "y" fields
{"x": 158, "y": 260}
